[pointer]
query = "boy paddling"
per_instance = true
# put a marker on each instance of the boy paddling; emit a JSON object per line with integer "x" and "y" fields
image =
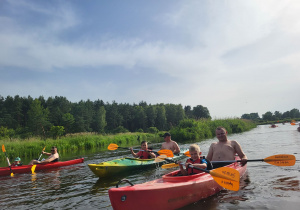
{"x": 145, "y": 153}
{"x": 195, "y": 161}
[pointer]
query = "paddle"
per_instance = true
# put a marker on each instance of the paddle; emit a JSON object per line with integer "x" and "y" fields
{"x": 33, "y": 169}
{"x": 160, "y": 158}
{"x": 34, "y": 166}
{"x": 226, "y": 177}
{"x": 166, "y": 152}
{"x": 42, "y": 153}
{"x": 276, "y": 160}
{"x": 3, "y": 149}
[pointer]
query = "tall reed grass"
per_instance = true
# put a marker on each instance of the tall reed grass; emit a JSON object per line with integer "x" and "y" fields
{"x": 32, "y": 148}
{"x": 187, "y": 130}
{"x": 198, "y": 130}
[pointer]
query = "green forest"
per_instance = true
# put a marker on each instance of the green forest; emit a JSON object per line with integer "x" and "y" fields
{"x": 26, "y": 117}
{"x": 293, "y": 114}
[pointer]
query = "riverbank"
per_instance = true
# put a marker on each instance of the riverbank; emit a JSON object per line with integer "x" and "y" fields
{"x": 186, "y": 131}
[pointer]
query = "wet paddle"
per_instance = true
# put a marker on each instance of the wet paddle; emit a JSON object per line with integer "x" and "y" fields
{"x": 3, "y": 149}
{"x": 166, "y": 152}
{"x": 276, "y": 160}
{"x": 33, "y": 169}
{"x": 226, "y": 177}
{"x": 34, "y": 166}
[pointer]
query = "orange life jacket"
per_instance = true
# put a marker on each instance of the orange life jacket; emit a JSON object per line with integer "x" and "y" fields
{"x": 193, "y": 170}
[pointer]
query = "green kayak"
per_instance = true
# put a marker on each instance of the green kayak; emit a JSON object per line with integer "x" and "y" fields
{"x": 113, "y": 167}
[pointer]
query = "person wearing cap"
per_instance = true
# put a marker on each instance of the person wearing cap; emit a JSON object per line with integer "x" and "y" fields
{"x": 170, "y": 144}
{"x": 17, "y": 162}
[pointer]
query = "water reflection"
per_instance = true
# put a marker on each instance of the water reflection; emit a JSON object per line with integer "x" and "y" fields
{"x": 287, "y": 184}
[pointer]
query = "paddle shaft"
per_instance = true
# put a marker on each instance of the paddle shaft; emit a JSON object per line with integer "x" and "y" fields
{"x": 234, "y": 161}
{"x": 139, "y": 149}
{"x": 200, "y": 169}
{"x": 3, "y": 148}
{"x": 40, "y": 156}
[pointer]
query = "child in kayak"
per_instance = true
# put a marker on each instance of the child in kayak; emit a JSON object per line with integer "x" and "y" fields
{"x": 144, "y": 153}
{"x": 195, "y": 161}
{"x": 17, "y": 162}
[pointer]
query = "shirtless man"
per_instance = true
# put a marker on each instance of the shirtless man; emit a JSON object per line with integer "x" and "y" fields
{"x": 225, "y": 149}
{"x": 170, "y": 144}
{"x": 53, "y": 156}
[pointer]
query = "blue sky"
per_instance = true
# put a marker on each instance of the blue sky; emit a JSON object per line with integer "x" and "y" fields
{"x": 233, "y": 57}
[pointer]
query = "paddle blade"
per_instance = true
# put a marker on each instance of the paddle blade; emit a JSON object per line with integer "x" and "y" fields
{"x": 112, "y": 147}
{"x": 226, "y": 177}
{"x": 11, "y": 174}
{"x": 170, "y": 165}
{"x": 187, "y": 153}
{"x": 166, "y": 152}
{"x": 33, "y": 169}
{"x": 281, "y": 160}
{"x": 160, "y": 158}
{"x": 3, "y": 148}
{"x": 44, "y": 149}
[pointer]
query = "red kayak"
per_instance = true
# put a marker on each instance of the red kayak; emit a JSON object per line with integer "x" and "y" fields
{"x": 168, "y": 192}
{"x": 5, "y": 171}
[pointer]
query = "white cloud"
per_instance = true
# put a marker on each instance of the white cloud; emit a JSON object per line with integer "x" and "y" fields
{"x": 236, "y": 53}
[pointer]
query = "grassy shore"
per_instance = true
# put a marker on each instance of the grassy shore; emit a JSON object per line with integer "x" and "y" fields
{"x": 202, "y": 129}
{"x": 187, "y": 130}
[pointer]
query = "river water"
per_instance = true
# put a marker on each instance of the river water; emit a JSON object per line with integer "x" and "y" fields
{"x": 75, "y": 187}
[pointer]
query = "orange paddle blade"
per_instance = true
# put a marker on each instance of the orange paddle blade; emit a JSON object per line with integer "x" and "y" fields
{"x": 160, "y": 158}
{"x": 3, "y": 148}
{"x": 226, "y": 177}
{"x": 187, "y": 153}
{"x": 281, "y": 160}
{"x": 166, "y": 152}
{"x": 170, "y": 165}
{"x": 112, "y": 147}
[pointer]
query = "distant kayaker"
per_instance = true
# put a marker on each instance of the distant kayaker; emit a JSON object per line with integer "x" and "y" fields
{"x": 170, "y": 144}
{"x": 144, "y": 153}
{"x": 225, "y": 149}
{"x": 53, "y": 157}
{"x": 195, "y": 161}
{"x": 17, "y": 162}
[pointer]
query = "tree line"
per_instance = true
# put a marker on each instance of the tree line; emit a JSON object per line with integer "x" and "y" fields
{"x": 25, "y": 117}
{"x": 270, "y": 116}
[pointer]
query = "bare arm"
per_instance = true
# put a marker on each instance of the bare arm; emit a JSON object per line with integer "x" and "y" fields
{"x": 210, "y": 152}
{"x": 151, "y": 154}
{"x": 46, "y": 153}
{"x": 177, "y": 149}
{"x": 240, "y": 152}
{"x": 133, "y": 153}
